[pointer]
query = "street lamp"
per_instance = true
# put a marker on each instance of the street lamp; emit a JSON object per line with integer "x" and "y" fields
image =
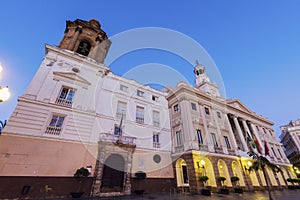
{"x": 4, "y": 92}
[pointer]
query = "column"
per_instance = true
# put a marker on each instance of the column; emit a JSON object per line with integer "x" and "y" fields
{"x": 231, "y": 133}
{"x": 246, "y": 128}
{"x": 219, "y": 133}
{"x": 236, "y": 123}
{"x": 75, "y": 37}
{"x": 206, "y": 138}
{"x": 257, "y": 136}
{"x": 295, "y": 138}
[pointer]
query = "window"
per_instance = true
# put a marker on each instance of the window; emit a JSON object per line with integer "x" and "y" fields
{"x": 214, "y": 139}
{"x": 273, "y": 151}
{"x": 199, "y": 136}
{"x": 185, "y": 174}
{"x": 156, "y": 118}
{"x": 227, "y": 142}
{"x": 139, "y": 115}
{"x": 55, "y": 125}
{"x": 206, "y": 110}
{"x": 139, "y": 93}
{"x": 123, "y": 88}
{"x": 176, "y": 108}
{"x": 121, "y": 109}
{"x": 219, "y": 115}
{"x": 178, "y": 138}
{"x": 264, "y": 130}
{"x": 65, "y": 97}
{"x": 193, "y": 105}
{"x": 156, "y": 143}
{"x": 279, "y": 153}
{"x": 270, "y": 132}
{"x": 154, "y": 98}
{"x": 118, "y": 130}
{"x": 84, "y": 48}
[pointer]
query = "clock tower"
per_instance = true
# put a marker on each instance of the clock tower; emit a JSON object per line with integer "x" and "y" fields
{"x": 203, "y": 82}
{"x": 86, "y": 38}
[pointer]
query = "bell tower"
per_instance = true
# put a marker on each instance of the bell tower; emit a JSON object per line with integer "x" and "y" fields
{"x": 202, "y": 81}
{"x": 86, "y": 38}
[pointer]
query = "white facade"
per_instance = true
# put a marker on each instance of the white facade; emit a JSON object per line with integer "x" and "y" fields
{"x": 76, "y": 112}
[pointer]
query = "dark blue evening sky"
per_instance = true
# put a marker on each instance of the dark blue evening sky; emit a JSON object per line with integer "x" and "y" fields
{"x": 255, "y": 44}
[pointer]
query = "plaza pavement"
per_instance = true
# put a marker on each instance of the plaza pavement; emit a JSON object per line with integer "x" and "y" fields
{"x": 259, "y": 195}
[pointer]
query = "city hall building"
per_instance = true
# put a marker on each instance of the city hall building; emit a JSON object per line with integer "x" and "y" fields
{"x": 77, "y": 113}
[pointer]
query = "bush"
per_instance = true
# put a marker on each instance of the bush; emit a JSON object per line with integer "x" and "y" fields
{"x": 203, "y": 178}
{"x": 81, "y": 172}
{"x": 140, "y": 175}
{"x": 234, "y": 179}
{"x": 221, "y": 178}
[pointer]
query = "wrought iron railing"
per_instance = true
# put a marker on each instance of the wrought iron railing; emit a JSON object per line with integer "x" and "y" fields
{"x": 64, "y": 102}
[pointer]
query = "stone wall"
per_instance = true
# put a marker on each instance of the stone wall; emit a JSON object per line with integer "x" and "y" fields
{"x": 41, "y": 187}
{"x": 154, "y": 185}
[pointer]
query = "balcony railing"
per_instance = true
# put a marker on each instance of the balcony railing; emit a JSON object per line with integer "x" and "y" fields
{"x": 203, "y": 147}
{"x": 178, "y": 149}
{"x": 52, "y": 130}
{"x": 156, "y": 144}
{"x": 218, "y": 149}
{"x": 231, "y": 151}
{"x": 140, "y": 120}
{"x": 117, "y": 139}
{"x": 64, "y": 102}
{"x": 155, "y": 123}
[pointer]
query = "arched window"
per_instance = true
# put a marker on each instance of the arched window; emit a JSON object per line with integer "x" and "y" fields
{"x": 84, "y": 48}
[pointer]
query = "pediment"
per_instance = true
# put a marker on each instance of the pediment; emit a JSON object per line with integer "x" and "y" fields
{"x": 238, "y": 105}
{"x": 71, "y": 77}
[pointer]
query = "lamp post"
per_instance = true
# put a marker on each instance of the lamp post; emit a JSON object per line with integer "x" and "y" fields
{"x": 4, "y": 91}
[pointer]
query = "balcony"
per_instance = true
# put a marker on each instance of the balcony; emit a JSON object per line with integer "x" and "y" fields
{"x": 178, "y": 149}
{"x": 231, "y": 151}
{"x": 140, "y": 120}
{"x": 156, "y": 144}
{"x": 155, "y": 123}
{"x": 64, "y": 102}
{"x": 52, "y": 130}
{"x": 117, "y": 139}
{"x": 219, "y": 150}
{"x": 203, "y": 147}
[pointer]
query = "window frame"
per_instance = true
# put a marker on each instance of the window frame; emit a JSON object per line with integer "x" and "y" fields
{"x": 214, "y": 139}
{"x": 193, "y": 106}
{"x": 199, "y": 136}
{"x": 206, "y": 110}
{"x": 140, "y": 116}
{"x": 226, "y": 139}
{"x": 179, "y": 139}
{"x": 176, "y": 108}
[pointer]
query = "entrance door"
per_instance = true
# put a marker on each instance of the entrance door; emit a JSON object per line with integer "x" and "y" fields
{"x": 113, "y": 174}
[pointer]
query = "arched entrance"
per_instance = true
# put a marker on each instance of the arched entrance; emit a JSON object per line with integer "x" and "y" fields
{"x": 113, "y": 174}
{"x": 182, "y": 173}
{"x": 236, "y": 169}
{"x": 223, "y": 171}
{"x": 208, "y": 170}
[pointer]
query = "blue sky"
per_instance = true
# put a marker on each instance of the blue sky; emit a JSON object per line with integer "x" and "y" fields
{"x": 255, "y": 44}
